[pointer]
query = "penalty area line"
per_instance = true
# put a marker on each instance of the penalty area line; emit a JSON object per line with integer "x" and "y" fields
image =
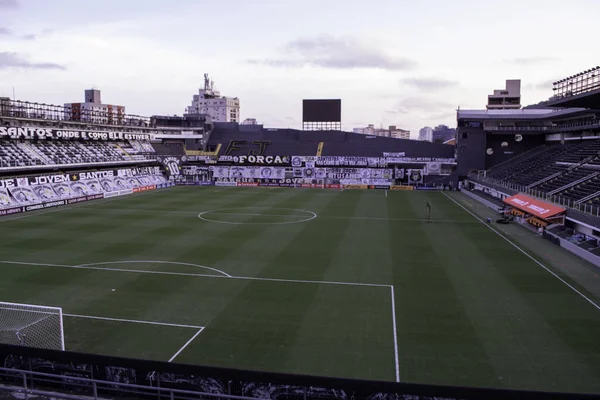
{"x": 141, "y": 271}
{"x": 186, "y": 345}
{"x": 524, "y": 252}
{"x": 395, "y": 334}
{"x": 135, "y": 321}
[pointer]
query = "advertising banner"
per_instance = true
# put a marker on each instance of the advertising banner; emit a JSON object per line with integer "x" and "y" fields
{"x": 85, "y": 198}
{"x": 10, "y": 211}
{"x": 247, "y": 184}
{"x": 355, "y": 186}
{"x": 401, "y": 187}
{"x": 118, "y": 193}
{"x": 41, "y": 206}
{"x": 269, "y": 184}
{"x": 534, "y": 206}
{"x": 225, "y": 184}
{"x": 379, "y": 187}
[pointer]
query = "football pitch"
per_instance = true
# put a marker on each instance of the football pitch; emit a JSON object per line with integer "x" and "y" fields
{"x": 354, "y": 284}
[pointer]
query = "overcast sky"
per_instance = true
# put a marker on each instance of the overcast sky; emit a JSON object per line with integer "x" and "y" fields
{"x": 409, "y": 63}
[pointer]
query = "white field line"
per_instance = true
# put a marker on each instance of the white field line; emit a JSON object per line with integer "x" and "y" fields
{"x": 395, "y": 335}
{"x": 290, "y": 215}
{"x": 262, "y": 215}
{"x": 186, "y": 344}
{"x": 386, "y": 193}
{"x": 90, "y": 267}
{"x": 80, "y": 205}
{"x": 524, "y": 252}
{"x": 157, "y": 262}
{"x": 135, "y": 321}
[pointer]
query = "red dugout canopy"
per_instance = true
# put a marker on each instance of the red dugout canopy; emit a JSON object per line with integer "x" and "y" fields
{"x": 536, "y": 207}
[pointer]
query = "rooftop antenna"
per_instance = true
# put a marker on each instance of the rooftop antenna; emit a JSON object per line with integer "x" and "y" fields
{"x": 212, "y": 85}
{"x": 206, "y": 82}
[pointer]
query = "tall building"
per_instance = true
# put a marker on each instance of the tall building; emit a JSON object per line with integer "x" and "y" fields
{"x": 92, "y": 110}
{"x": 369, "y": 130}
{"x": 426, "y": 134}
{"x": 506, "y": 99}
{"x": 391, "y": 132}
{"x": 442, "y": 133}
{"x": 249, "y": 121}
{"x": 209, "y": 102}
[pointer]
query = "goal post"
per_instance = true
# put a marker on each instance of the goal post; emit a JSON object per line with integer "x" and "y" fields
{"x": 32, "y": 326}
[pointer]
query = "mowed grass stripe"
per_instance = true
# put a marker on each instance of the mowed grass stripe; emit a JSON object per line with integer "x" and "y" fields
{"x": 436, "y": 340}
{"x": 506, "y": 316}
{"x": 460, "y": 300}
{"x": 211, "y": 246}
{"x": 307, "y": 314}
{"x": 545, "y": 314}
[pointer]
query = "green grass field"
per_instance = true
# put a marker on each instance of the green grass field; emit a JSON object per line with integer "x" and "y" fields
{"x": 323, "y": 282}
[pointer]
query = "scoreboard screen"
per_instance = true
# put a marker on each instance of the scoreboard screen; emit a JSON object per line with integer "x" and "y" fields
{"x": 322, "y": 110}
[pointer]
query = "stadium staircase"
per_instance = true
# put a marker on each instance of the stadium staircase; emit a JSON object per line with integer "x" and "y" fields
{"x": 33, "y": 153}
{"x": 124, "y": 152}
{"x": 201, "y": 152}
{"x": 320, "y": 149}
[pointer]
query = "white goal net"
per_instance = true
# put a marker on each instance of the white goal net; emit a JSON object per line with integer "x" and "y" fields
{"x": 31, "y": 326}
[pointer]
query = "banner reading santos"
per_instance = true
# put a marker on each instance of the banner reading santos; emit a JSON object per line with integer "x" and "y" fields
{"x": 45, "y": 133}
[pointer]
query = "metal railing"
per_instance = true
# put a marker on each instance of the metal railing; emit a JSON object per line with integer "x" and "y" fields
{"x": 567, "y": 202}
{"x": 28, "y": 383}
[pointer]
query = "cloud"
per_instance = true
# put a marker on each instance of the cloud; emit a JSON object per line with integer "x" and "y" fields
{"x": 429, "y": 84}
{"x": 9, "y": 3}
{"x": 14, "y": 60}
{"x": 336, "y": 53}
{"x": 5, "y": 31}
{"x": 30, "y": 36}
{"x": 422, "y": 103}
{"x": 442, "y": 115}
{"x": 541, "y": 85}
{"x": 535, "y": 60}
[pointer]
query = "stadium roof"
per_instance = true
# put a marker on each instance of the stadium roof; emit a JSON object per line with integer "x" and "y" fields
{"x": 525, "y": 113}
{"x": 589, "y": 99}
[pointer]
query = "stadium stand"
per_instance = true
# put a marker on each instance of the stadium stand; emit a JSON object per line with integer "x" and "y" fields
{"x": 29, "y": 190}
{"x": 169, "y": 147}
{"x": 571, "y": 170}
{"x": 23, "y": 153}
{"x": 274, "y": 142}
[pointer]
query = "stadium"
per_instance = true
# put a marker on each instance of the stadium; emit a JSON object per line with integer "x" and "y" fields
{"x": 179, "y": 257}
